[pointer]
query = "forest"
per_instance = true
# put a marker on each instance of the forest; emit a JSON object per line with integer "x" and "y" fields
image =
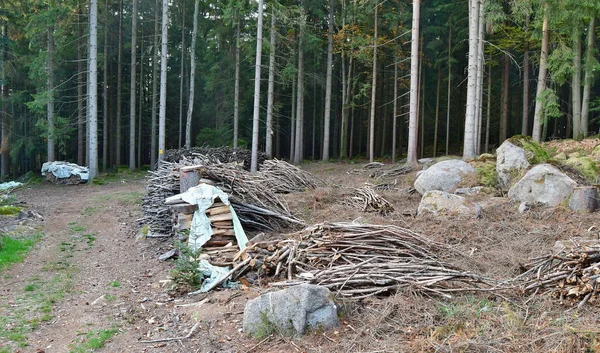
{"x": 114, "y": 83}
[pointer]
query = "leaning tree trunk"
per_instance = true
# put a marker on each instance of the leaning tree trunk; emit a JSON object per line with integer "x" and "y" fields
{"x": 256, "y": 113}
{"x": 326, "y": 120}
{"x": 132, "y": 103}
{"x": 541, "y": 85}
{"x": 589, "y": 75}
{"x": 470, "y": 116}
{"x": 50, "y": 87}
{"x": 92, "y": 90}
{"x": 188, "y": 121}
{"x": 413, "y": 125}
{"x": 271, "y": 91}
{"x": 373, "y": 93}
{"x": 162, "y": 107}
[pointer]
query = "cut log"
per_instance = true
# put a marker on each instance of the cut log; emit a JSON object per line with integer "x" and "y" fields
{"x": 218, "y": 210}
{"x": 221, "y": 217}
{"x": 222, "y": 225}
{"x": 584, "y": 198}
{"x": 175, "y": 199}
{"x": 227, "y": 232}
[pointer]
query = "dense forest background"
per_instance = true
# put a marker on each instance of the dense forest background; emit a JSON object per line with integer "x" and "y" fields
{"x": 211, "y": 66}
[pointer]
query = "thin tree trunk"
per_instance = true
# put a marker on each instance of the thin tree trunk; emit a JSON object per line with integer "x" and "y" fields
{"x": 256, "y": 114}
{"x": 373, "y": 93}
{"x": 4, "y": 155}
{"x": 421, "y": 103}
{"x": 140, "y": 99}
{"x": 526, "y": 69}
{"x": 471, "y": 114}
{"x": 293, "y": 121}
{"x": 119, "y": 87}
{"x": 589, "y": 75}
{"x": 395, "y": 109}
{"x": 271, "y": 90}
{"x": 314, "y": 119}
{"x": 480, "y": 71}
{"x": 132, "y": 97}
{"x": 576, "y": 84}
{"x": 155, "y": 59}
{"x": 162, "y": 107}
{"x": 181, "y": 75}
{"x": 327, "y": 118}
{"x": 489, "y": 110}
{"x": 504, "y": 107}
{"x": 50, "y": 87}
{"x": 413, "y": 125}
{"x": 236, "y": 94}
{"x": 92, "y": 90}
{"x": 299, "y": 139}
{"x": 105, "y": 113}
{"x": 541, "y": 85}
{"x": 437, "y": 112}
{"x": 192, "y": 93}
{"x": 80, "y": 94}
{"x": 449, "y": 86}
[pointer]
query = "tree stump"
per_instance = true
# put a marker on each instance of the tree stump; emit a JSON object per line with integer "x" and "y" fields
{"x": 188, "y": 179}
{"x": 584, "y": 198}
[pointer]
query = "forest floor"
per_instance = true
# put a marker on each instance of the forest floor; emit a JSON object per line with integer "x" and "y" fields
{"x": 89, "y": 285}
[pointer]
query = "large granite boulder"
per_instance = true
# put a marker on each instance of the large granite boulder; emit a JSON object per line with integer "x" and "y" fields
{"x": 437, "y": 202}
{"x": 445, "y": 176}
{"x": 543, "y": 184}
{"x": 511, "y": 163}
{"x": 291, "y": 311}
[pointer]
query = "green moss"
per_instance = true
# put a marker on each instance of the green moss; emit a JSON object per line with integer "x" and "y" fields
{"x": 486, "y": 172}
{"x": 94, "y": 340}
{"x": 536, "y": 154}
{"x": 13, "y": 250}
{"x": 9, "y": 210}
{"x": 586, "y": 166}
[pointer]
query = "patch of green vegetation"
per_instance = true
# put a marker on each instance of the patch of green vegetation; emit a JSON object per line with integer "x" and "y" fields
{"x": 586, "y": 166}
{"x": 13, "y": 250}
{"x": 90, "y": 238}
{"x": 9, "y": 210}
{"x": 536, "y": 154}
{"x": 74, "y": 227}
{"x": 186, "y": 272}
{"x": 115, "y": 284}
{"x": 89, "y": 211}
{"x": 94, "y": 340}
{"x": 110, "y": 298}
{"x": 265, "y": 328}
{"x": 30, "y": 287}
{"x": 8, "y": 200}
{"x": 486, "y": 172}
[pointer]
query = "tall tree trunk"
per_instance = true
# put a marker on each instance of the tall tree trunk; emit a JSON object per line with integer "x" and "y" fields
{"x": 188, "y": 121}
{"x": 576, "y": 84}
{"x": 92, "y": 90}
{"x": 162, "y": 106}
{"x": 80, "y": 96}
{"x": 293, "y": 121}
{"x": 421, "y": 103}
{"x": 413, "y": 125}
{"x": 526, "y": 69}
{"x": 437, "y": 111}
{"x": 271, "y": 90}
{"x": 589, "y": 75}
{"x": 299, "y": 139}
{"x": 488, "y": 110}
{"x": 119, "y": 87}
{"x": 480, "y": 72}
{"x": 140, "y": 99}
{"x": 236, "y": 94}
{"x": 181, "y": 75}
{"x": 373, "y": 92}
{"x": 469, "y": 149}
{"x": 541, "y": 84}
{"x": 395, "y": 109}
{"x": 132, "y": 96}
{"x": 256, "y": 113}
{"x": 4, "y": 155}
{"x": 504, "y": 107}
{"x": 327, "y": 117}
{"x": 449, "y": 86}
{"x": 50, "y": 87}
{"x": 105, "y": 113}
{"x": 155, "y": 60}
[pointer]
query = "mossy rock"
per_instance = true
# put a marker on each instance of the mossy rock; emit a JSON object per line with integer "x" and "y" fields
{"x": 487, "y": 175}
{"x": 536, "y": 154}
{"x": 587, "y": 166}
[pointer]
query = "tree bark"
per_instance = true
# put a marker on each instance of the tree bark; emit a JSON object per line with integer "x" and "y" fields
{"x": 299, "y": 139}
{"x": 437, "y": 112}
{"x": 271, "y": 90}
{"x": 480, "y": 71}
{"x": 373, "y": 92}
{"x": 92, "y": 90}
{"x": 488, "y": 110}
{"x": 4, "y": 143}
{"x": 140, "y": 99}
{"x": 504, "y": 107}
{"x": 80, "y": 95}
{"x": 589, "y": 75}
{"x": 256, "y": 113}
{"x": 293, "y": 121}
{"x": 192, "y": 93}
{"x": 395, "y": 109}
{"x": 413, "y": 125}
{"x": 449, "y": 87}
{"x": 105, "y": 85}
{"x": 326, "y": 120}
{"x": 155, "y": 59}
{"x": 162, "y": 107}
{"x": 132, "y": 96}
{"x": 236, "y": 94}
{"x": 541, "y": 84}
{"x": 576, "y": 84}
{"x": 469, "y": 149}
{"x": 181, "y": 80}
{"x": 119, "y": 88}
{"x": 526, "y": 69}
{"x": 50, "y": 87}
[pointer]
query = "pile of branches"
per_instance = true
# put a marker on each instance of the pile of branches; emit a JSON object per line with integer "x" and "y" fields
{"x": 367, "y": 200}
{"x": 358, "y": 261}
{"x": 253, "y": 195}
{"x": 379, "y": 170}
{"x": 571, "y": 275}
{"x": 213, "y": 155}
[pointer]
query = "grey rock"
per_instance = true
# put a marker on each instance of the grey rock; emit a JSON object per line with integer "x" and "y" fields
{"x": 445, "y": 176}
{"x": 291, "y": 311}
{"x": 168, "y": 255}
{"x": 543, "y": 184}
{"x": 511, "y": 162}
{"x": 437, "y": 202}
{"x": 425, "y": 160}
{"x": 469, "y": 191}
{"x": 523, "y": 207}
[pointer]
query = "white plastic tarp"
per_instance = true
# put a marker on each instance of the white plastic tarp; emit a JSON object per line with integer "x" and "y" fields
{"x": 10, "y": 185}
{"x": 65, "y": 169}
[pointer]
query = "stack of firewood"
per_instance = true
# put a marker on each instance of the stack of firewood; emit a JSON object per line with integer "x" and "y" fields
{"x": 221, "y": 222}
